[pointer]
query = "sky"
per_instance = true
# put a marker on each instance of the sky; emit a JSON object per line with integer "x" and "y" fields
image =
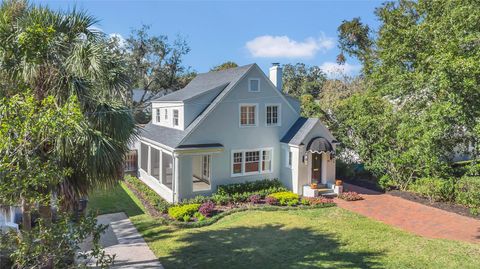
{"x": 245, "y": 32}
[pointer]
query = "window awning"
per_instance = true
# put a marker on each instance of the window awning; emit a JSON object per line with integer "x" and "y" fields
{"x": 320, "y": 145}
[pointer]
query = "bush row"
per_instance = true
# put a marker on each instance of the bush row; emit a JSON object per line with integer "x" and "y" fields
{"x": 151, "y": 196}
{"x": 464, "y": 191}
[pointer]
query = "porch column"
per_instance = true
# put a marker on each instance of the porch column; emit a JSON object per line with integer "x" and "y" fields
{"x": 176, "y": 176}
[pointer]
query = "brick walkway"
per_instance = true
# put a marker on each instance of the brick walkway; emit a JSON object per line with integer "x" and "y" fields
{"x": 413, "y": 217}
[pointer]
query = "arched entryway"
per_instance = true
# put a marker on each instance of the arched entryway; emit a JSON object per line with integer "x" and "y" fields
{"x": 320, "y": 150}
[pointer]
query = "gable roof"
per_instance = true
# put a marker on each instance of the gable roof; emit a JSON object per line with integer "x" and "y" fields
{"x": 205, "y": 82}
{"x": 173, "y": 137}
{"x": 299, "y": 130}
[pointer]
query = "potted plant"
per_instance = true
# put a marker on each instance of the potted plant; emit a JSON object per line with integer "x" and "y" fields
{"x": 338, "y": 182}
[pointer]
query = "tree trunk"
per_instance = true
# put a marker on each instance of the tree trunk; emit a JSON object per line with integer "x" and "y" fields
{"x": 26, "y": 216}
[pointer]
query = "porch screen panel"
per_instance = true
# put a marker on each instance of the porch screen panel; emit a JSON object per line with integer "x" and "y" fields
{"x": 155, "y": 163}
{"x": 144, "y": 157}
{"x": 167, "y": 169}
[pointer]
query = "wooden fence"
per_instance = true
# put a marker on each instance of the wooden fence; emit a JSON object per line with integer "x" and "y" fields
{"x": 131, "y": 161}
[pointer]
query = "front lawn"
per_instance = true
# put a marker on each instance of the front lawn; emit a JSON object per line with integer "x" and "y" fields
{"x": 313, "y": 238}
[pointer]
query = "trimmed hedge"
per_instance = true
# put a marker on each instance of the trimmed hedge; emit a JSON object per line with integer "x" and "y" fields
{"x": 250, "y": 186}
{"x": 468, "y": 193}
{"x": 151, "y": 196}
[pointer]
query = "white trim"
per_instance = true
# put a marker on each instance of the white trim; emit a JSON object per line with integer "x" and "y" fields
{"x": 288, "y": 154}
{"x": 250, "y": 86}
{"x": 240, "y": 115}
{"x": 173, "y": 118}
{"x": 279, "y": 114}
{"x": 153, "y": 142}
{"x": 259, "y": 172}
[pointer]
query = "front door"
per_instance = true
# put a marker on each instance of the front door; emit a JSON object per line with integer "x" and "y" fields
{"x": 316, "y": 168}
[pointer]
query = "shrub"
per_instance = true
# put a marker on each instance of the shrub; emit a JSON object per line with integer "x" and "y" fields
{"x": 207, "y": 208}
{"x": 186, "y": 218}
{"x": 251, "y": 186}
{"x": 221, "y": 199}
{"x": 292, "y": 202}
{"x": 285, "y": 197}
{"x": 151, "y": 196}
{"x": 316, "y": 201}
{"x": 254, "y": 199}
{"x": 429, "y": 187}
{"x": 199, "y": 216}
{"x": 271, "y": 200}
{"x": 350, "y": 196}
{"x": 468, "y": 193}
{"x": 179, "y": 211}
{"x": 435, "y": 189}
{"x": 240, "y": 197}
{"x": 199, "y": 199}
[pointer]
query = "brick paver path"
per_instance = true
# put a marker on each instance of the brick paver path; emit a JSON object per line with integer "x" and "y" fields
{"x": 413, "y": 217}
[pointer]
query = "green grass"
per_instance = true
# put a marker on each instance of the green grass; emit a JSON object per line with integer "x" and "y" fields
{"x": 316, "y": 238}
{"x": 116, "y": 199}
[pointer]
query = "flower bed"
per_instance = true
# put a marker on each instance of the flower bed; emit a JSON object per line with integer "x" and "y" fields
{"x": 350, "y": 196}
{"x": 203, "y": 210}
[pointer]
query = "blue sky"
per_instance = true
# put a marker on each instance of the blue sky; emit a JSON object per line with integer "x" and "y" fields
{"x": 240, "y": 31}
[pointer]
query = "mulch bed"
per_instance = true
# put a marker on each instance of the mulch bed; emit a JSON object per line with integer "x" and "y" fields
{"x": 152, "y": 211}
{"x": 364, "y": 183}
{"x": 454, "y": 208}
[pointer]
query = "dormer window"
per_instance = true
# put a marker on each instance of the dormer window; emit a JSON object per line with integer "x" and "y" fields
{"x": 254, "y": 85}
{"x": 157, "y": 115}
{"x": 175, "y": 117}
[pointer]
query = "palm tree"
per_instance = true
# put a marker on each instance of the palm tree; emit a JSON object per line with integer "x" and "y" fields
{"x": 62, "y": 54}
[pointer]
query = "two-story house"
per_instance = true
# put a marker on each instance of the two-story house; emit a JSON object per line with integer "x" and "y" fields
{"x": 232, "y": 126}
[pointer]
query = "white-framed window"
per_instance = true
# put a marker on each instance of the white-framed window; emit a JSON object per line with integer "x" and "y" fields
{"x": 288, "y": 158}
{"x": 252, "y": 161}
{"x": 237, "y": 166}
{"x": 165, "y": 114}
{"x": 248, "y": 115}
{"x": 266, "y": 161}
{"x": 157, "y": 114}
{"x": 254, "y": 85}
{"x": 273, "y": 114}
{"x": 175, "y": 117}
{"x": 249, "y": 162}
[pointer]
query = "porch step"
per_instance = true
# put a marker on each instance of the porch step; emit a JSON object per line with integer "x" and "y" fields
{"x": 330, "y": 194}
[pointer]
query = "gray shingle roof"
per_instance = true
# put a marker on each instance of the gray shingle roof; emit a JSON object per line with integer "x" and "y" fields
{"x": 299, "y": 130}
{"x": 164, "y": 135}
{"x": 205, "y": 82}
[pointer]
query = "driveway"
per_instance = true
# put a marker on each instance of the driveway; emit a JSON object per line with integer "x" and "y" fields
{"x": 413, "y": 217}
{"x": 122, "y": 239}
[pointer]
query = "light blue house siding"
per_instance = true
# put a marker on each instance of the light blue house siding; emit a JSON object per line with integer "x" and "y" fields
{"x": 222, "y": 126}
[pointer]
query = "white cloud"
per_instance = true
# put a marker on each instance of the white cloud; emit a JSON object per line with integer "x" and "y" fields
{"x": 119, "y": 37}
{"x": 268, "y": 46}
{"x": 334, "y": 69}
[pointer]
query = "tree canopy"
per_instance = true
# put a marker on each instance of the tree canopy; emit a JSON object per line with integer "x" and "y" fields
{"x": 421, "y": 73}
{"x": 300, "y": 79}
{"x": 224, "y": 66}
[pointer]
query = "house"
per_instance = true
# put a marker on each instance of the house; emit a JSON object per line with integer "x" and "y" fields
{"x": 232, "y": 126}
